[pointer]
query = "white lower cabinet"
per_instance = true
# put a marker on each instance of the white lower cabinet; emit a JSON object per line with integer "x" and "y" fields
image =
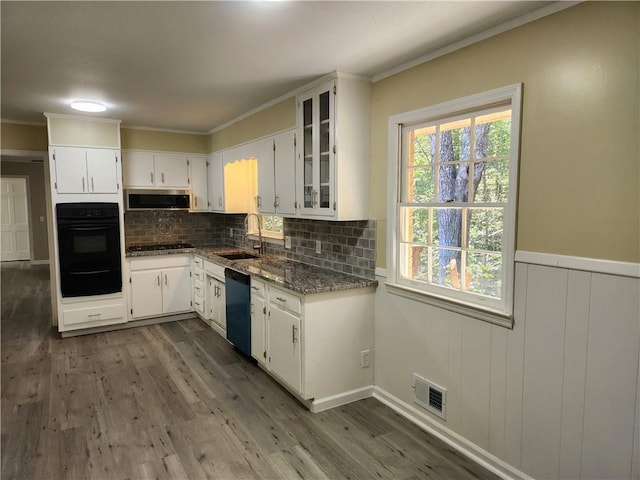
{"x": 160, "y": 285}
{"x": 258, "y": 321}
{"x": 284, "y": 346}
{"x": 215, "y": 300}
{"x": 313, "y": 344}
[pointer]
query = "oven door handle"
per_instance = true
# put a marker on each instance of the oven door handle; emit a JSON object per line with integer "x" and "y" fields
{"x": 92, "y": 272}
{"x": 89, "y": 229}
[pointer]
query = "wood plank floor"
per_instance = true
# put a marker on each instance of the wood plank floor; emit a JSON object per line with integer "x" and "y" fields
{"x": 176, "y": 401}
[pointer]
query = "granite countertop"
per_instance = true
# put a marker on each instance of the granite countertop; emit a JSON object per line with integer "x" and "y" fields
{"x": 298, "y": 277}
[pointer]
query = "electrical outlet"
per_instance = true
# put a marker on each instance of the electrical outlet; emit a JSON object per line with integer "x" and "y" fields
{"x": 230, "y": 232}
{"x": 365, "y": 358}
{"x": 287, "y": 242}
{"x": 318, "y": 246}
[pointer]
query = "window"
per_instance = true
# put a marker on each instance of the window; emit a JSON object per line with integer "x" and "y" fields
{"x": 272, "y": 226}
{"x": 453, "y": 203}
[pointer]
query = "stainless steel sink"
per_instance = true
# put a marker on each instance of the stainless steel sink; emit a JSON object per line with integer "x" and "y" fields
{"x": 237, "y": 256}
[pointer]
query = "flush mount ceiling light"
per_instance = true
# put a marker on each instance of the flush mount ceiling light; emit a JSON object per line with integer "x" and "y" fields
{"x": 88, "y": 106}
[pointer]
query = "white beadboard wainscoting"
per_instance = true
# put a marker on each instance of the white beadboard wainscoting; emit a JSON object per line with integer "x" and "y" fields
{"x": 557, "y": 397}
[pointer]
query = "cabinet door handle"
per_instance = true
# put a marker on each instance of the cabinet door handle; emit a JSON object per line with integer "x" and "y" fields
{"x": 83, "y": 184}
{"x": 196, "y": 199}
{"x": 151, "y": 177}
{"x": 258, "y": 201}
{"x": 294, "y": 330}
{"x": 158, "y": 280}
{"x": 165, "y": 279}
{"x": 255, "y": 288}
{"x": 276, "y": 202}
{"x": 283, "y": 300}
{"x": 162, "y": 177}
{"x": 315, "y": 197}
{"x": 93, "y": 189}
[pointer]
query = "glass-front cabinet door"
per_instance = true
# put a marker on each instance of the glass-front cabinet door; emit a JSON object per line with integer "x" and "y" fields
{"x": 317, "y": 155}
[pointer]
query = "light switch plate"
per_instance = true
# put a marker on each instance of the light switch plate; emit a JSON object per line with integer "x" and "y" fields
{"x": 318, "y": 246}
{"x": 287, "y": 242}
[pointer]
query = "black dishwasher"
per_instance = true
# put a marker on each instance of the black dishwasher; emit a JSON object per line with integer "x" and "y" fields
{"x": 238, "y": 307}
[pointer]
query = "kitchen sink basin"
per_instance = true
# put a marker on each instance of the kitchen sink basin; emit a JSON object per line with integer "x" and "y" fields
{"x": 238, "y": 256}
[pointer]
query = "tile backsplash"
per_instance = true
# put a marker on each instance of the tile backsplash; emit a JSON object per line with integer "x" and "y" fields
{"x": 348, "y": 247}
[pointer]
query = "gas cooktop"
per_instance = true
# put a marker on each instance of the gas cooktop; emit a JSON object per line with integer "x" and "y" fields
{"x": 159, "y": 246}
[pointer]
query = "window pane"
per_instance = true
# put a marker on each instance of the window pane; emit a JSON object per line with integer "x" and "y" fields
{"x": 485, "y": 273}
{"x": 444, "y": 267}
{"x": 415, "y": 262}
{"x": 419, "y": 185}
{"x": 455, "y": 138}
{"x": 415, "y": 225}
{"x": 447, "y": 227}
{"x": 493, "y": 134}
{"x": 422, "y": 146}
{"x": 492, "y": 184}
{"x": 485, "y": 228}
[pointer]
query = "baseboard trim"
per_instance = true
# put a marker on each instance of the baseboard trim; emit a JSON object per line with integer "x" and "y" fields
{"x": 39, "y": 262}
{"x": 332, "y": 401}
{"x": 454, "y": 440}
{"x": 122, "y": 326}
{"x": 594, "y": 265}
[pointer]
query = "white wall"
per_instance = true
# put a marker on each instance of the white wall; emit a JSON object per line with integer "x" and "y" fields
{"x": 556, "y": 397}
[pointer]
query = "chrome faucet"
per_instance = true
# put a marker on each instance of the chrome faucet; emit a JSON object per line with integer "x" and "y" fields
{"x": 260, "y": 247}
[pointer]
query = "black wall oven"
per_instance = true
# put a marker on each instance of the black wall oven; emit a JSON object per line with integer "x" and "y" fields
{"x": 89, "y": 248}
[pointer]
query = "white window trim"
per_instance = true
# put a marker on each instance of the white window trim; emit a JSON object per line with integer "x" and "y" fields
{"x": 504, "y": 314}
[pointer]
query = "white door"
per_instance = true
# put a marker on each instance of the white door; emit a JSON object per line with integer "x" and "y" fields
{"x": 71, "y": 169}
{"x": 102, "y": 170}
{"x": 176, "y": 290}
{"x": 14, "y": 214}
{"x": 263, "y": 151}
{"x": 146, "y": 293}
{"x": 198, "y": 181}
{"x": 137, "y": 169}
{"x": 284, "y": 346}
{"x": 285, "y": 173}
{"x": 172, "y": 170}
{"x": 215, "y": 183}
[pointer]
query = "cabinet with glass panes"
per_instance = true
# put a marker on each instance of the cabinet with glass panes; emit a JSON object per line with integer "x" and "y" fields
{"x": 333, "y": 160}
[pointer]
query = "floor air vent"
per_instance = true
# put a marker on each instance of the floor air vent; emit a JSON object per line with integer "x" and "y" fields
{"x": 430, "y": 396}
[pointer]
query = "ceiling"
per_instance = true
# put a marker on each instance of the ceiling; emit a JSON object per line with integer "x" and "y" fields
{"x": 194, "y": 66}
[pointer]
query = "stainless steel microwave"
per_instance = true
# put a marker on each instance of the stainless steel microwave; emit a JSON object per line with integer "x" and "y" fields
{"x": 140, "y": 199}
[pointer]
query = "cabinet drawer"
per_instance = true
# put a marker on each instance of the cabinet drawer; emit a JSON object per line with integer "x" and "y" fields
{"x": 113, "y": 313}
{"x": 214, "y": 270}
{"x": 198, "y": 304}
{"x": 285, "y": 299}
{"x": 159, "y": 261}
{"x": 257, "y": 287}
{"x": 198, "y": 275}
{"x": 198, "y": 262}
{"x": 198, "y": 288}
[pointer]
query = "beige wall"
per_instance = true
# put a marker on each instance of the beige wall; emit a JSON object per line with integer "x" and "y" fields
{"x": 136, "y": 139}
{"x": 37, "y": 202}
{"x": 14, "y": 136}
{"x": 270, "y": 120}
{"x": 579, "y": 165}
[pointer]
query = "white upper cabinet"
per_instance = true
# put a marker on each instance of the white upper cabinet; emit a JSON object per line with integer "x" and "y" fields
{"x": 215, "y": 182}
{"x": 333, "y": 150}
{"x": 172, "y": 170}
{"x": 262, "y": 150}
{"x": 155, "y": 170}
{"x": 85, "y": 170}
{"x": 198, "y": 182}
{"x": 285, "y": 173}
{"x": 276, "y": 162}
